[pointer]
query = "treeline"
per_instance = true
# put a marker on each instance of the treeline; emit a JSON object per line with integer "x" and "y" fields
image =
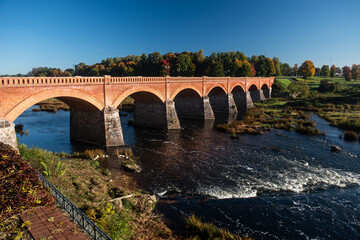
{"x": 233, "y": 64}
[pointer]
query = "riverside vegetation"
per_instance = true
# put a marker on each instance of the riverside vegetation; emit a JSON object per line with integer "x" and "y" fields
{"x": 117, "y": 207}
{"x": 336, "y": 102}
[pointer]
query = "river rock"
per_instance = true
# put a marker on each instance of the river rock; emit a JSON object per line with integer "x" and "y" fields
{"x": 335, "y": 148}
{"x": 132, "y": 167}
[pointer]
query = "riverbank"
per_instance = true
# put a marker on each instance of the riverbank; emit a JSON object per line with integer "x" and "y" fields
{"x": 20, "y": 192}
{"x": 114, "y": 203}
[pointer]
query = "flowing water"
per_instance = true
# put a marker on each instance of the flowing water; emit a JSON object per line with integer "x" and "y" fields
{"x": 303, "y": 191}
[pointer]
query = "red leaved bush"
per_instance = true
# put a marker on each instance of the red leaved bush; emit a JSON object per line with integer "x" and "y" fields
{"x": 20, "y": 187}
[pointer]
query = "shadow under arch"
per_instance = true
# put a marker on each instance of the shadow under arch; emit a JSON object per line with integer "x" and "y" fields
{"x": 189, "y": 104}
{"x": 219, "y": 100}
{"x": 265, "y": 91}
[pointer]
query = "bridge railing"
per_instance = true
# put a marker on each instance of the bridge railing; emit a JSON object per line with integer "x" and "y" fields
{"x": 76, "y": 214}
{"x": 50, "y": 80}
{"x": 16, "y": 81}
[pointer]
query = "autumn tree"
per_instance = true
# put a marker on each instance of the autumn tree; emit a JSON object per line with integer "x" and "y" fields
{"x": 346, "y": 73}
{"x": 277, "y": 66}
{"x": 270, "y": 68}
{"x": 165, "y": 68}
{"x": 307, "y": 69}
{"x": 333, "y": 71}
{"x": 243, "y": 68}
{"x": 325, "y": 71}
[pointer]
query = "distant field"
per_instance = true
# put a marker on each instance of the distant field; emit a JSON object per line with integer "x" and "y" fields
{"x": 314, "y": 82}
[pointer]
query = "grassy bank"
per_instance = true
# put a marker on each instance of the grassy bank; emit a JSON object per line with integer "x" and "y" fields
{"x": 272, "y": 114}
{"x": 121, "y": 212}
{"x": 116, "y": 206}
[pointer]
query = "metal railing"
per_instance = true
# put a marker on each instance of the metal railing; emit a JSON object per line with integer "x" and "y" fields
{"x": 84, "y": 221}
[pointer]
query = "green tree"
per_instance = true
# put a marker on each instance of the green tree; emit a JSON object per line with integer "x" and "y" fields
{"x": 277, "y": 65}
{"x": 295, "y": 70}
{"x": 325, "y": 71}
{"x": 299, "y": 89}
{"x": 216, "y": 70}
{"x": 183, "y": 65}
{"x": 93, "y": 72}
{"x": 307, "y": 69}
{"x": 285, "y": 69}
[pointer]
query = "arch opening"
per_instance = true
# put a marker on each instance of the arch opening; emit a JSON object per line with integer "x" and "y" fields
{"x": 219, "y": 100}
{"x": 142, "y": 108}
{"x": 264, "y": 87}
{"x": 237, "y": 89}
{"x": 189, "y": 104}
{"x": 240, "y": 100}
{"x": 265, "y": 91}
{"x": 253, "y": 88}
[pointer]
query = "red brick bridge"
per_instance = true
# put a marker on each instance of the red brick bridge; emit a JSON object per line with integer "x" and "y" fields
{"x": 159, "y": 101}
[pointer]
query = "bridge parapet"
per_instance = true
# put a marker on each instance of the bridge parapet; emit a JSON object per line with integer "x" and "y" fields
{"x": 10, "y": 81}
{"x": 5, "y": 81}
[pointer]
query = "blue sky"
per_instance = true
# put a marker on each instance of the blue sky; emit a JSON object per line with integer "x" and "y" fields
{"x": 64, "y": 33}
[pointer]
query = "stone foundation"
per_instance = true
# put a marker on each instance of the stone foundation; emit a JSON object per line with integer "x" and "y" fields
{"x": 261, "y": 95}
{"x": 172, "y": 120}
{"x": 99, "y": 128}
{"x": 156, "y": 115}
{"x": 243, "y": 101}
{"x": 7, "y": 133}
{"x": 267, "y": 93}
{"x": 194, "y": 108}
{"x": 255, "y": 96}
{"x": 223, "y": 103}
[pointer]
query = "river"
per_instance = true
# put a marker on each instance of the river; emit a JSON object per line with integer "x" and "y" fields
{"x": 303, "y": 191}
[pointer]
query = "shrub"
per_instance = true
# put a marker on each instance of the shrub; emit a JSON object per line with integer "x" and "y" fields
{"x": 325, "y": 86}
{"x": 20, "y": 188}
{"x": 299, "y": 89}
{"x": 351, "y": 136}
{"x": 279, "y": 87}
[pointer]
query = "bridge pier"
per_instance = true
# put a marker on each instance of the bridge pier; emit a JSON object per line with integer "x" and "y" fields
{"x": 8, "y": 134}
{"x": 156, "y": 115}
{"x": 267, "y": 93}
{"x": 223, "y": 103}
{"x": 97, "y": 127}
{"x": 194, "y": 107}
{"x": 243, "y": 100}
{"x": 257, "y": 96}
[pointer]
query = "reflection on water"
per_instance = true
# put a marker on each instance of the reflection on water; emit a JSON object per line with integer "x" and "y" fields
{"x": 302, "y": 192}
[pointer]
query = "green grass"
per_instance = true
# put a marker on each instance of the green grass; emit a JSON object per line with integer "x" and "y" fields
{"x": 314, "y": 82}
{"x": 284, "y": 81}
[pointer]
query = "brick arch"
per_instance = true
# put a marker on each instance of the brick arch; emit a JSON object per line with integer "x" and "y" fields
{"x": 133, "y": 90}
{"x": 178, "y": 90}
{"x": 214, "y": 86}
{"x": 237, "y": 85}
{"x": 63, "y": 94}
{"x": 264, "y": 85}
{"x": 257, "y": 88}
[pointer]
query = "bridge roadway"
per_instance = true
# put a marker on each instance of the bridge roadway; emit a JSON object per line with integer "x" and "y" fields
{"x": 159, "y": 101}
